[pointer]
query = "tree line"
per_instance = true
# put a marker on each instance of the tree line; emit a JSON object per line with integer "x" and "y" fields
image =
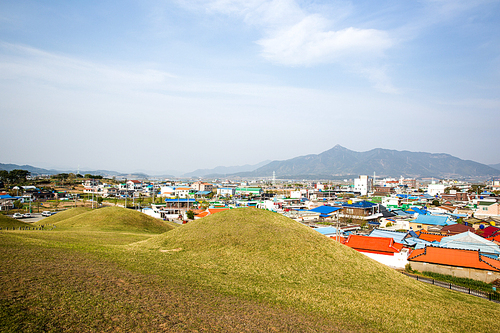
{"x": 14, "y": 176}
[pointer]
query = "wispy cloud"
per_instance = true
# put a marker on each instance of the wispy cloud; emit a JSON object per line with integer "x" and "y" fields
{"x": 310, "y": 42}
{"x": 295, "y": 35}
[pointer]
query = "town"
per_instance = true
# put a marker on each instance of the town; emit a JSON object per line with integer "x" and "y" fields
{"x": 447, "y": 227}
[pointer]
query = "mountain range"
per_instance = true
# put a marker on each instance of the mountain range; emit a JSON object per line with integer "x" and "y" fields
{"x": 222, "y": 170}
{"x": 335, "y": 163}
{"x": 40, "y": 171}
{"x": 340, "y": 161}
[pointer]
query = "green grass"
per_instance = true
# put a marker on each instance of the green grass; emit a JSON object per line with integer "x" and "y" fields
{"x": 464, "y": 282}
{"x": 9, "y": 222}
{"x": 241, "y": 270}
{"x": 108, "y": 219}
{"x": 63, "y": 215}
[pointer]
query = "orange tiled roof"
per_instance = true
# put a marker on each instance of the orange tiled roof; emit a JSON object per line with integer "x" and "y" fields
{"x": 203, "y": 214}
{"x": 381, "y": 245}
{"x": 216, "y": 210}
{"x": 495, "y": 238}
{"x": 455, "y": 257}
{"x": 430, "y": 237}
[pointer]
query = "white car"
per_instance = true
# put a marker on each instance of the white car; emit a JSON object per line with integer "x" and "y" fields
{"x": 26, "y": 215}
{"x": 46, "y": 213}
{"x": 17, "y": 216}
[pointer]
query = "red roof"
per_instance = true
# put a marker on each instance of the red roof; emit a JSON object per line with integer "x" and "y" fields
{"x": 495, "y": 238}
{"x": 488, "y": 231}
{"x": 429, "y": 236}
{"x": 380, "y": 245}
{"x": 211, "y": 211}
{"x": 454, "y": 257}
{"x": 457, "y": 229}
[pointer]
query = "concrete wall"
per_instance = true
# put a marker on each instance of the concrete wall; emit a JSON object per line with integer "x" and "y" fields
{"x": 471, "y": 273}
{"x": 397, "y": 260}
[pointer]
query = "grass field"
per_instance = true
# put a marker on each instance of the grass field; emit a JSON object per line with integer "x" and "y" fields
{"x": 9, "y": 222}
{"x": 242, "y": 270}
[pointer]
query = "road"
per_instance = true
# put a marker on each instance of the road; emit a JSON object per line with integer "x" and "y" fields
{"x": 35, "y": 217}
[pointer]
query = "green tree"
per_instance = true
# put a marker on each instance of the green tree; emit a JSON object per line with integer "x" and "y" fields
{"x": 18, "y": 204}
{"x": 99, "y": 200}
{"x": 190, "y": 214}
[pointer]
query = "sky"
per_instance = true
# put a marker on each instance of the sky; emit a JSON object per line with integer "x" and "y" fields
{"x": 174, "y": 86}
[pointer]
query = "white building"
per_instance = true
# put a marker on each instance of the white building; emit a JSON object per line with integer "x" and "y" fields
{"x": 363, "y": 185}
{"x": 435, "y": 189}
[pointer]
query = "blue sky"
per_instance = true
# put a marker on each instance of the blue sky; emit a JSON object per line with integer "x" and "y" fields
{"x": 180, "y": 85}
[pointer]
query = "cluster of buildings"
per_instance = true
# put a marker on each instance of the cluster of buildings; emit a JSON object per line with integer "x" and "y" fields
{"x": 443, "y": 227}
{"x": 449, "y": 227}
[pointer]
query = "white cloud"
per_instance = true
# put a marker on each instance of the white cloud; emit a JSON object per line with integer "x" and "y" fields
{"x": 309, "y": 43}
{"x": 295, "y": 37}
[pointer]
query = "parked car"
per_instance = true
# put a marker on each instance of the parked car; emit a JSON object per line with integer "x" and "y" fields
{"x": 46, "y": 213}
{"x": 26, "y": 215}
{"x": 17, "y": 216}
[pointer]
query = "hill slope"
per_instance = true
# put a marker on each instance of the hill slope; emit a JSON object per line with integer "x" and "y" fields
{"x": 63, "y": 215}
{"x": 261, "y": 255}
{"x": 340, "y": 161}
{"x": 107, "y": 219}
{"x": 9, "y": 222}
{"x": 242, "y": 270}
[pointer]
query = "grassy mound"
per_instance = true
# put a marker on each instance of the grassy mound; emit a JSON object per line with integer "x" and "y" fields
{"x": 242, "y": 270}
{"x": 63, "y": 215}
{"x": 9, "y": 222}
{"x": 110, "y": 219}
{"x": 261, "y": 255}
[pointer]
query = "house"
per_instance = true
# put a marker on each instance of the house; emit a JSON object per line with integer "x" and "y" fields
{"x": 363, "y": 185}
{"x": 326, "y": 211}
{"x": 487, "y": 232}
{"x": 381, "y": 249}
{"x": 487, "y": 207}
{"x": 427, "y": 221}
{"x": 331, "y": 232}
{"x": 456, "y": 262}
{"x": 182, "y": 192}
{"x": 226, "y": 191}
{"x": 134, "y": 185}
{"x": 429, "y": 236}
{"x": 454, "y": 229}
{"x": 246, "y": 191}
{"x": 397, "y": 236}
{"x": 6, "y": 202}
{"x": 470, "y": 241}
{"x": 210, "y": 211}
{"x": 361, "y": 210}
{"x": 201, "y": 186}
{"x": 435, "y": 189}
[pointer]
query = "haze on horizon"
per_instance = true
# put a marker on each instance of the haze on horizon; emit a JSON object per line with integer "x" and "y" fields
{"x": 184, "y": 85}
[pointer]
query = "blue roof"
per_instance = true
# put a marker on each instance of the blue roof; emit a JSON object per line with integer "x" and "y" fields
{"x": 432, "y": 220}
{"x": 203, "y": 192}
{"x": 396, "y": 235}
{"x": 417, "y": 242}
{"x": 400, "y": 212}
{"x": 416, "y": 210}
{"x": 181, "y": 200}
{"x": 325, "y": 209}
{"x": 326, "y": 230}
{"x": 360, "y": 204}
{"x": 6, "y": 196}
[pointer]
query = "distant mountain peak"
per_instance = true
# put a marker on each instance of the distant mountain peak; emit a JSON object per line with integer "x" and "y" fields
{"x": 339, "y": 161}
